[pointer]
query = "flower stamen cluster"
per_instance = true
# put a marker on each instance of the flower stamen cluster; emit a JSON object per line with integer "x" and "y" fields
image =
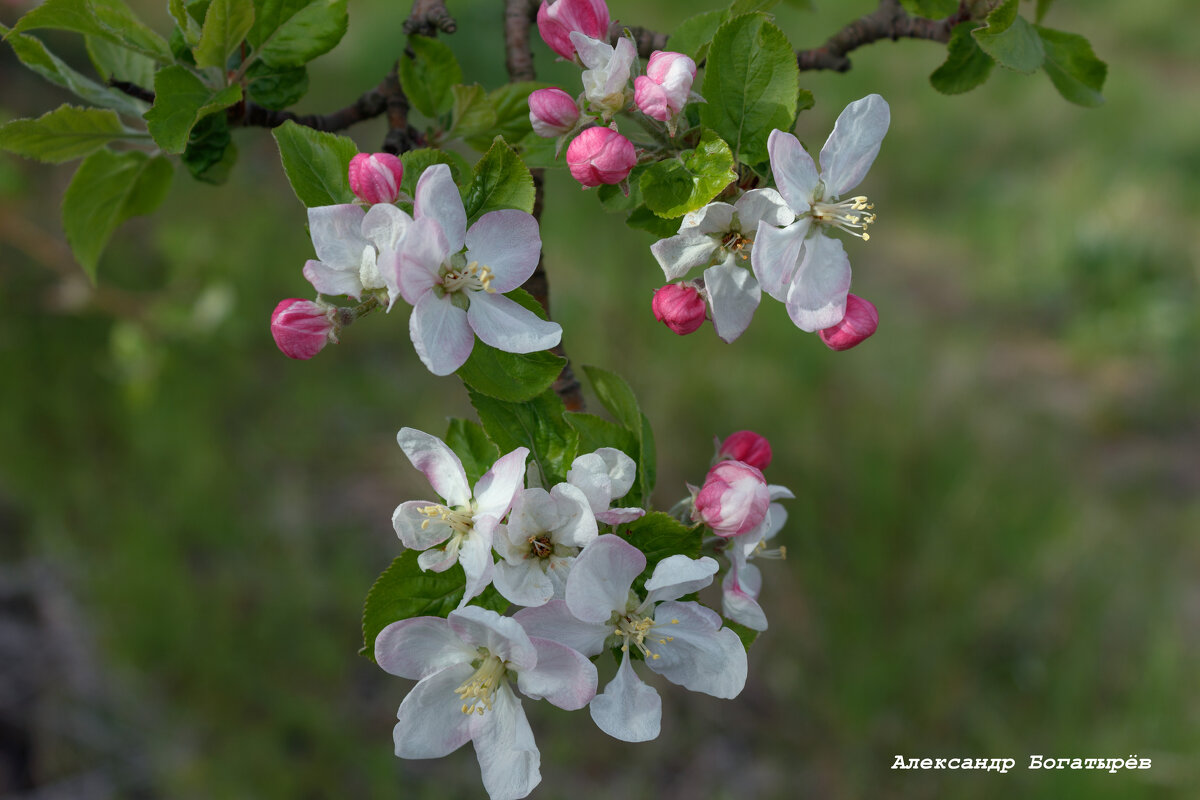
{"x": 841, "y": 215}
{"x": 476, "y": 692}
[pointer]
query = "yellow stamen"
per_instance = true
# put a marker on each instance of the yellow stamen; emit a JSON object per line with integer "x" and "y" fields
{"x": 476, "y": 691}
{"x": 852, "y": 216}
{"x": 474, "y": 277}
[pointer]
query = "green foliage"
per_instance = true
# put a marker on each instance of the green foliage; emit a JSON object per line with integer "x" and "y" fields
{"x": 1072, "y": 67}
{"x": 295, "y": 32}
{"x": 427, "y": 71}
{"x": 107, "y": 189}
{"x": 674, "y": 187}
{"x": 499, "y": 180}
{"x": 108, "y": 19}
{"x": 966, "y": 65}
{"x": 596, "y": 432}
{"x": 1010, "y": 39}
{"x": 188, "y": 26}
{"x": 515, "y": 377}
{"x": 114, "y": 62}
{"x": 180, "y": 100}
{"x": 694, "y": 34}
{"x": 63, "y": 134}
{"x": 276, "y": 87}
{"x": 226, "y": 23}
{"x": 511, "y": 104}
{"x": 619, "y": 400}
{"x": 643, "y": 219}
{"x": 804, "y": 100}
{"x": 658, "y": 536}
{"x": 472, "y": 113}
{"x": 404, "y": 591}
{"x": 416, "y": 161}
{"x": 538, "y": 424}
{"x": 931, "y": 9}
{"x": 1042, "y": 7}
{"x": 316, "y": 164}
{"x": 210, "y": 153}
{"x": 751, "y": 83}
{"x": 472, "y": 446}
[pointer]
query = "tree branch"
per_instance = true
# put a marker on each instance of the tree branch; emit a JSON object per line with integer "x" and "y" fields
{"x": 889, "y": 21}
{"x": 428, "y": 17}
{"x": 647, "y": 41}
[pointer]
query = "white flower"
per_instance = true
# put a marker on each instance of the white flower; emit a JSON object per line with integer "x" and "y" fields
{"x": 683, "y": 642}
{"x": 743, "y": 583}
{"x": 465, "y": 694}
{"x": 455, "y": 295}
{"x": 722, "y": 235}
{"x": 608, "y": 71}
{"x": 356, "y": 249}
{"x": 466, "y": 521}
{"x": 545, "y": 532}
{"x": 604, "y": 476}
{"x": 800, "y": 264}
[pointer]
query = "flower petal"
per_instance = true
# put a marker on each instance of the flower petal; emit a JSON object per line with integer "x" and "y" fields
{"x": 385, "y": 225}
{"x": 501, "y": 636}
{"x": 418, "y": 268}
{"x": 775, "y": 255}
{"x": 699, "y": 656}
{"x": 562, "y": 676}
{"x": 410, "y": 526}
{"x": 437, "y": 462}
{"x": 494, "y": 491}
{"x": 762, "y": 205}
{"x": 734, "y": 295}
{"x": 619, "y": 516}
{"x": 594, "y": 53}
{"x": 523, "y": 583}
{"x": 817, "y": 297}
{"x": 337, "y": 235}
{"x": 476, "y": 559}
{"x": 600, "y": 580}
{"x": 509, "y": 760}
{"x": 740, "y": 605}
{"x": 332, "y": 280}
{"x": 576, "y": 525}
{"x": 678, "y": 255}
{"x": 507, "y": 325}
{"x": 418, "y": 647}
{"x": 431, "y": 722}
{"x": 628, "y": 709}
{"x": 677, "y": 575}
{"x": 437, "y": 198}
{"x": 440, "y": 334}
{"x": 508, "y": 243}
{"x": 851, "y": 149}
{"x": 795, "y": 173}
{"x": 554, "y": 621}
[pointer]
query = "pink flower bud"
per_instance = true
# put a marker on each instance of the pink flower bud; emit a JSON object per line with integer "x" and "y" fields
{"x": 663, "y": 91}
{"x": 747, "y": 447}
{"x": 556, "y": 21}
{"x": 375, "y": 177}
{"x": 600, "y": 155}
{"x": 552, "y": 112}
{"x": 301, "y": 327}
{"x": 680, "y": 307}
{"x": 860, "y": 322}
{"x": 733, "y": 500}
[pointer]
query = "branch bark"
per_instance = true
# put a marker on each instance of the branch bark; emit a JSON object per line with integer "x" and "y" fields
{"x": 889, "y": 21}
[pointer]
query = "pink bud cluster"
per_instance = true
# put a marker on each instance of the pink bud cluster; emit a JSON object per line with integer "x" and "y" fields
{"x": 375, "y": 177}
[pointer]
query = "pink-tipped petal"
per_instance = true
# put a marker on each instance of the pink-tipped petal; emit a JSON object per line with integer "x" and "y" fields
{"x": 508, "y": 243}
{"x": 795, "y": 173}
{"x": 562, "y": 676}
{"x": 495, "y": 490}
{"x": 437, "y": 462}
{"x": 440, "y": 334}
{"x": 437, "y": 197}
{"x": 418, "y": 647}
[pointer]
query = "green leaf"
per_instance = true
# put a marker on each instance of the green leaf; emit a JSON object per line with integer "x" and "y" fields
{"x": 211, "y": 153}
{"x": 180, "y": 100}
{"x": 115, "y": 62}
{"x": 189, "y": 27}
{"x": 499, "y": 180}
{"x": 403, "y": 591}
{"x": 109, "y": 19}
{"x": 538, "y": 424}
{"x": 511, "y": 104}
{"x": 316, "y": 163}
{"x": 472, "y": 114}
{"x": 613, "y": 198}
{"x": 694, "y": 34}
{"x": 596, "y": 432}
{"x": 930, "y": 9}
{"x": 643, "y": 219}
{"x": 966, "y": 65}
{"x": 276, "y": 87}
{"x": 124, "y": 25}
{"x": 674, "y": 187}
{"x": 417, "y": 161}
{"x": 514, "y": 377}
{"x": 537, "y": 152}
{"x": 660, "y": 536}
{"x": 751, "y": 83}
{"x": 225, "y": 26}
{"x": 647, "y": 465}
{"x": 1072, "y": 67}
{"x": 1010, "y": 39}
{"x": 34, "y": 55}
{"x": 269, "y": 15}
{"x": 739, "y": 7}
{"x": 63, "y": 134}
{"x": 313, "y": 30}
{"x": 804, "y": 100}
{"x": 107, "y": 189}
{"x": 616, "y": 396}
{"x": 469, "y": 442}
{"x": 427, "y": 71}
{"x": 1042, "y": 7}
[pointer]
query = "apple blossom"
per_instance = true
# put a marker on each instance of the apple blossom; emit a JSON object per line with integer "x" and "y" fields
{"x": 375, "y": 177}
{"x": 545, "y": 532}
{"x": 600, "y": 155}
{"x": 301, "y": 328}
{"x": 743, "y": 583}
{"x": 356, "y": 248}
{"x": 800, "y": 264}
{"x": 859, "y": 324}
{"x": 557, "y": 21}
{"x": 682, "y": 641}
{"x": 665, "y": 88}
{"x": 552, "y": 112}
{"x": 466, "y": 521}
{"x": 747, "y": 447}
{"x": 733, "y": 499}
{"x": 464, "y": 666}
{"x": 456, "y": 295}
{"x": 607, "y": 73}
{"x": 680, "y": 307}
{"x": 604, "y": 476}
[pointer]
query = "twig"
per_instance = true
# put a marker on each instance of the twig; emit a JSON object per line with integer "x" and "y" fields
{"x": 647, "y": 41}
{"x": 428, "y": 17}
{"x": 889, "y": 21}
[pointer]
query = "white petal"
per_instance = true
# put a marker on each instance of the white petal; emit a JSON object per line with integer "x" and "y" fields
{"x": 420, "y": 261}
{"x": 508, "y": 242}
{"x": 594, "y": 53}
{"x": 600, "y": 580}
{"x": 431, "y": 722}
{"x": 576, "y": 525}
{"x": 503, "y": 637}
{"x": 438, "y": 559}
{"x": 509, "y": 326}
{"x": 385, "y": 225}
{"x": 337, "y": 235}
{"x": 437, "y": 197}
{"x": 554, "y": 621}
{"x": 437, "y": 462}
{"x": 494, "y": 491}
{"x": 509, "y": 760}
{"x": 440, "y": 334}
{"x": 476, "y": 559}
{"x": 775, "y": 255}
{"x": 410, "y": 526}
{"x": 618, "y": 67}
{"x": 619, "y": 516}
{"x": 628, "y": 709}
{"x": 333, "y": 280}
{"x": 712, "y": 219}
{"x": 817, "y": 297}
{"x": 851, "y": 148}
{"x": 523, "y": 583}
{"x": 621, "y": 470}
{"x": 589, "y": 473}
{"x": 418, "y": 647}
{"x": 795, "y": 173}
{"x": 738, "y": 598}
{"x": 678, "y": 255}
{"x": 734, "y": 295}
{"x": 762, "y": 205}
{"x": 677, "y": 575}
{"x": 562, "y": 676}
{"x": 699, "y": 656}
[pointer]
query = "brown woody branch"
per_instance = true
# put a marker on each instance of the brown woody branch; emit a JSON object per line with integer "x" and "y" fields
{"x": 647, "y": 41}
{"x": 429, "y": 17}
{"x": 889, "y": 21}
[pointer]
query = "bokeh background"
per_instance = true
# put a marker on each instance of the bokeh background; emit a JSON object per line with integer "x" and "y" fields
{"x": 995, "y": 546}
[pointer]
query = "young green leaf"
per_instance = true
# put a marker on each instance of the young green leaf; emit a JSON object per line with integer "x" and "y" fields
{"x": 660, "y": 536}
{"x": 427, "y": 75}
{"x": 107, "y": 189}
{"x": 472, "y": 114}
{"x": 1010, "y": 39}
{"x": 417, "y": 161}
{"x": 538, "y": 424}
{"x": 109, "y": 19}
{"x": 695, "y": 34}
{"x": 1042, "y": 7}
{"x": 499, "y": 180}
{"x": 751, "y": 83}
{"x": 300, "y": 36}
{"x": 276, "y": 87}
{"x": 210, "y": 153}
{"x": 596, "y": 432}
{"x": 115, "y": 62}
{"x": 470, "y": 443}
{"x": 226, "y": 24}
{"x": 180, "y": 100}
{"x": 188, "y": 27}
{"x": 966, "y": 65}
{"x": 511, "y": 104}
{"x": 63, "y": 134}
{"x": 316, "y": 164}
{"x": 616, "y": 396}
{"x": 673, "y": 187}
{"x": 1072, "y": 67}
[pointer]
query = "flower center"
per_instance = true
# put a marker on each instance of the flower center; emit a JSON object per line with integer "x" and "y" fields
{"x": 476, "y": 691}
{"x": 635, "y": 629}
{"x": 461, "y": 521}
{"x": 761, "y": 551}
{"x": 473, "y": 277}
{"x": 734, "y": 242}
{"x": 541, "y": 546}
{"x": 852, "y": 215}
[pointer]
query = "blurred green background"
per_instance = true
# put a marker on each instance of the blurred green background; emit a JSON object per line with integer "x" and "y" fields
{"x": 995, "y": 546}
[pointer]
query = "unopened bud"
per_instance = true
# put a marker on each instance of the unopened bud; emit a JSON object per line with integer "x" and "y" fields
{"x": 680, "y": 307}
{"x": 557, "y": 20}
{"x": 375, "y": 177}
{"x": 552, "y": 112}
{"x": 600, "y": 155}
{"x": 860, "y": 322}
{"x": 302, "y": 328}
{"x": 747, "y": 447}
{"x": 663, "y": 91}
{"x": 733, "y": 500}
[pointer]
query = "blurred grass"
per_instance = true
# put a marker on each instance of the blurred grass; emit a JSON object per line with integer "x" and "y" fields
{"x": 993, "y": 550}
